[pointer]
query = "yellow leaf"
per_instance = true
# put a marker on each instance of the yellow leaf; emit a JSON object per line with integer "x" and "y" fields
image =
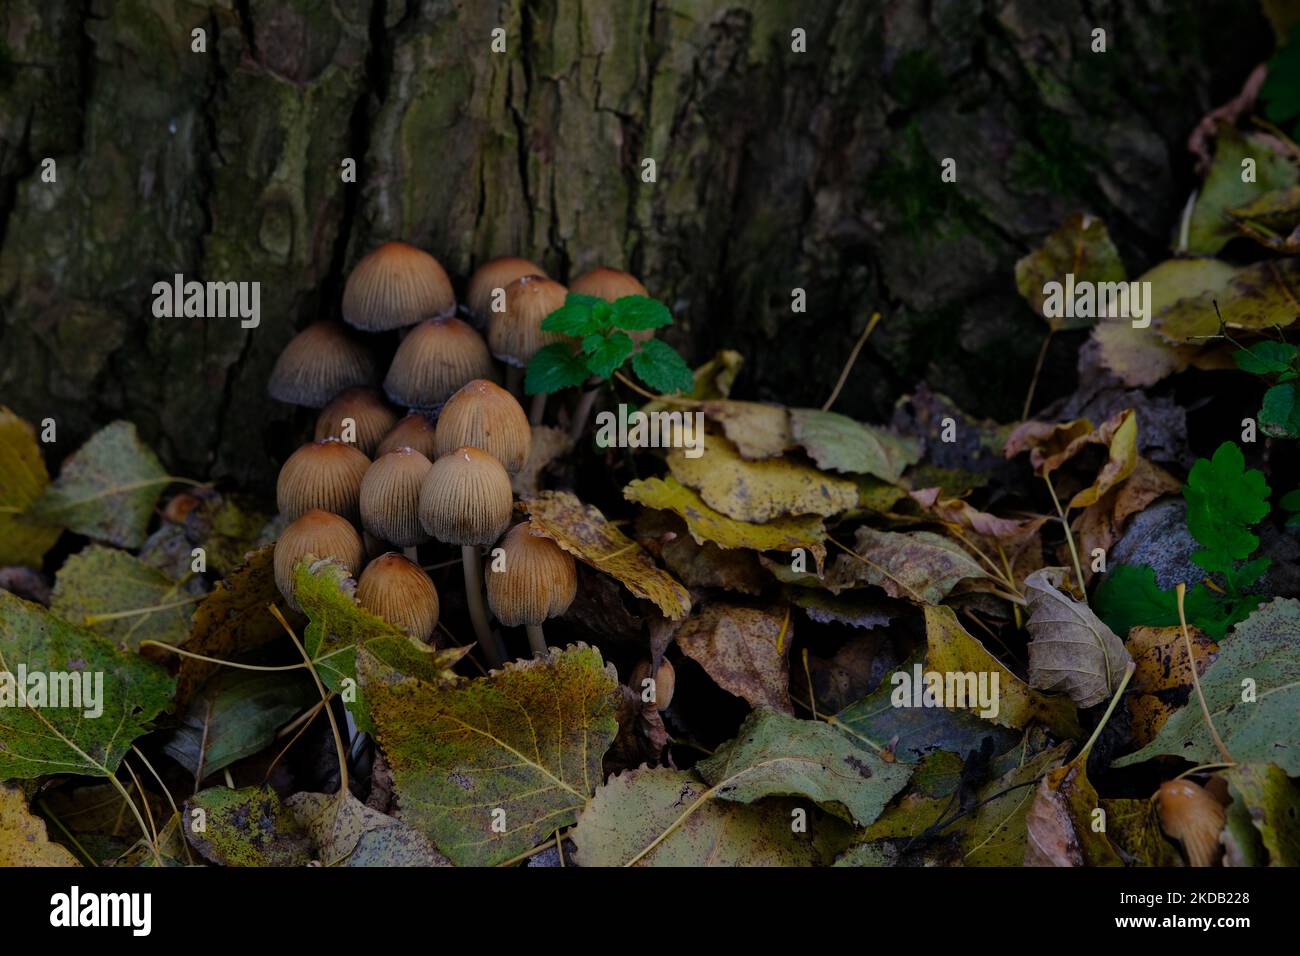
{"x": 23, "y": 479}
{"x": 23, "y": 839}
{"x": 758, "y": 431}
{"x": 1119, "y": 434}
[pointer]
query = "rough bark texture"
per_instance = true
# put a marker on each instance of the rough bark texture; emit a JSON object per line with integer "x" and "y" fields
{"x": 776, "y": 170}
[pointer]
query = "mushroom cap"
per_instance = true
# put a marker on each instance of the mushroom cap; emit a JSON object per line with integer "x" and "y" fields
{"x": 665, "y": 680}
{"x": 496, "y": 274}
{"x": 416, "y": 431}
{"x": 372, "y": 418}
{"x": 390, "y": 497}
{"x": 317, "y": 533}
{"x": 516, "y": 334}
{"x": 485, "y": 416}
{"x": 1191, "y": 815}
{"x": 318, "y": 363}
{"x": 437, "y": 357}
{"x": 325, "y": 474}
{"x": 539, "y": 579}
{"x": 611, "y": 284}
{"x": 465, "y": 498}
{"x": 397, "y": 589}
{"x": 393, "y": 286}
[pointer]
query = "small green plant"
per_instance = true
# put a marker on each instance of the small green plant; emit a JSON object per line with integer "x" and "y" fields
{"x": 1279, "y": 414}
{"x": 1224, "y": 501}
{"x": 602, "y": 328}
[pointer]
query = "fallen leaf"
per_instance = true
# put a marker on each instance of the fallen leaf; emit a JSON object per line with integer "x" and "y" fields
{"x": 744, "y": 649}
{"x": 246, "y": 827}
{"x": 697, "y": 564}
{"x": 23, "y": 479}
{"x": 1119, "y": 435}
{"x": 1102, "y": 523}
{"x": 917, "y": 565}
{"x": 838, "y": 443}
{"x": 826, "y": 608}
{"x": 1134, "y": 830}
{"x": 548, "y": 445}
{"x": 1081, "y": 248}
{"x": 642, "y": 737}
{"x": 346, "y": 832}
{"x": 23, "y": 837}
{"x": 959, "y": 512}
{"x": 1272, "y": 802}
{"x": 1070, "y": 649}
{"x": 757, "y": 430}
{"x": 1210, "y": 227}
{"x": 1162, "y": 682}
{"x": 1256, "y": 297}
{"x": 1059, "y": 823}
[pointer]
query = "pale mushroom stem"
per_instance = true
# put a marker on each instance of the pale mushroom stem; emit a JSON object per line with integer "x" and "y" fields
{"x": 537, "y": 409}
{"x": 582, "y": 412}
{"x": 515, "y": 380}
{"x": 412, "y": 554}
{"x": 492, "y": 647}
{"x": 536, "y": 640}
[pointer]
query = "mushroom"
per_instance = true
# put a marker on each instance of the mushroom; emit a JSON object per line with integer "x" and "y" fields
{"x": 321, "y": 535}
{"x": 325, "y": 474}
{"x": 466, "y": 500}
{"x": 318, "y": 363}
{"x": 485, "y": 416}
{"x": 437, "y": 357}
{"x": 610, "y": 285}
{"x": 416, "y": 431}
{"x": 371, "y": 419}
{"x": 515, "y": 335}
{"x": 538, "y": 581}
{"x": 397, "y": 589}
{"x": 390, "y": 497}
{"x": 1191, "y": 815}
{"x": 665, "y": 681}
{"x": 496, "y": 274}
{"x": 395, "y": 286}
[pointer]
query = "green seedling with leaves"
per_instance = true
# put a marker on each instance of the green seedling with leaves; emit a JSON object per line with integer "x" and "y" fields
{"x": 1224, "y": 501}
{"x": 1279, "y": 414}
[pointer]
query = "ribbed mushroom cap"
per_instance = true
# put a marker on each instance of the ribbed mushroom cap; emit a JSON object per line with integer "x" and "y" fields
{"x": 436, "y": 358}
{"x": 416, "y": 431}
{"x": 317, "y": 533}
{"x": 394, "y": 286}
{"x": 390, "y": 497}
{"x": 516, "y": 334}
{"x": 485, "y": 416}
{"x": 318, "y": 363}
{"x": 465, "y": 498}
{"x": 539, "y": 579}
{"x": 665, "y": 680}
{"x": 399, "y": 591}
{"x": 611, "y": 284}
{"x": 372, "y": 418}
{"x": 496, "y": 274}
{"x": 1189, "y": 814}
{"x": 326, "y": 475}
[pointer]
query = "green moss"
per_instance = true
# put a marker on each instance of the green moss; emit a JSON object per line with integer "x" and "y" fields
{"x": 1050, "y": 158}
{"x": 909, "y": 183}
{"x": 916, "y": 80}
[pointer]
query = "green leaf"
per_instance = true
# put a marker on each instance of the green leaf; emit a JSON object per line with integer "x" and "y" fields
{"x": 1210, "y": 228}
{"x": 526, "y": 740}
{"x": 346, "y": 832}
{"x": 1281, "y": 90}
{"x": 1291, "y": 500}
{"x": 247, "y": 827}
{"x": 577, "y": 317}
{"x": 38, "y": 740}
{"x": 1129, "y": 597}
{"x": 1279, "y": 414}
{"x": 1224, "y": 500}
{"x": 1266, "y": 358}
{"x": 636, "y": 313}
{"x": 1272, "y": 802}
{"x": 107, "y": 489}
{"x": 1252, "y": 692}
{"x": 1080, "y": 247}
{"x": 659, "y": 366}
{"x": 554, "y": 367}
{"x": 778, "y": 755}
{"x": 609, "y": 353}
{"x": 839, "y": 443}
{"x": 23, "y": 479}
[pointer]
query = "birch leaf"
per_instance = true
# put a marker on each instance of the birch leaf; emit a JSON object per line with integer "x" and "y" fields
{"x": 23, "y": 479}
{"x": 1070, "y": 648}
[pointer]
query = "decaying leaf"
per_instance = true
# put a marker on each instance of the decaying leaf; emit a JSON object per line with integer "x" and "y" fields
{"x": 1256, "y": 297}
{"x": 583, "y": 531}
{"x": 1070, "y": 650}
{"x": 23, "y": 479}
{"x": 1102, "y": 523}
{"x": 1059, "y": 824}
{"x": 23, "y": 837}
{"x": 246, "y": 827}
{"x": 757, "y": 430}
{"x": 1134, "y": 830}
{"x": 547, "y": 445}
{"x": 1211, "y": 227}
{"x": 1272, "y": 802}
{"x": 744, "y": 649}
{"x": 1162, "y": 682}
{"x": 1119, "y": 435}
{"x": 1081, "y": 248}
{"x": 346, "y": 832}
{"x": 697, "y": 565}
{"x": 642, "y": 737}
{"x": 959, "y": 512}
{"x": 838, "y": 443}
{"x": 917, "y": 565}
{"x": 826, "y": 608}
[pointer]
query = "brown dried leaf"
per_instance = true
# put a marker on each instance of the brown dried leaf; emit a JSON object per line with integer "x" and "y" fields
{"x": 1162, "y": 682}
{"x": 1102, "y": 523}
{"x": 744, "y": 649}
{"x": 1059, "y": 824}
{"x": 916, "y": 565}
{"x": 1070, "y": 648}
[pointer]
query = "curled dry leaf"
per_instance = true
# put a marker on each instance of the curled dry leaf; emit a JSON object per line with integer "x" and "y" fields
{"x": 757, "y": 430}
{"x": 1102, "y": 523}
{"x": 1070, "y": 648}
{"x": 917, "y": 565}
{"x": 1059, "y": 824}
{"x": 744, "y": 649}
{"x": 962, "y": 513}
{"x": 1162, "y": 682}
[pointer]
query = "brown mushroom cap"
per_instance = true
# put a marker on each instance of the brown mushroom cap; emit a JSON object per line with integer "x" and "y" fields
{"x": 317, "y": 533}
{"x": 398, "y": 590}
{"x": 372, "y": 418}
{"x": 390, "y": 497}
{"x": 485, "y": 416}
{"x": 318, "y": 363}
{"x": 465, "y": 498}
{"x": 325, "y": 474}
{"x": 416, "y": 431}
{"x": 1191, "y": 815}
{"x": 516, "y": 334}
{"x": 436, "y": 358}
{"x": 611, "y": 284}
{"x": 496, "y": 274}
{"x": 394, "y": 286}
{"x": 665, "y": 680}
{"x": 539, "y": 579}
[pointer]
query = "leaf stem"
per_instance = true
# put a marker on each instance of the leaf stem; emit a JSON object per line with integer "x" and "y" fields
{"x": 324, "y": 696}
{"x": 853, "y": 357}
{"x": 217, "y": 660}
{"x": 1181, "y": 590}
{"x": 1069, "y": 535}
{"x": 1119, "y": 692}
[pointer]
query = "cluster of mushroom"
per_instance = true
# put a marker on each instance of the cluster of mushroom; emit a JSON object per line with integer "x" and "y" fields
{"x": 443, "y": 471}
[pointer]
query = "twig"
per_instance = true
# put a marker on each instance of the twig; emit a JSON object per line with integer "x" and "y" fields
{"x": 1038, "y": 370}
{"x": 853, "y": 357}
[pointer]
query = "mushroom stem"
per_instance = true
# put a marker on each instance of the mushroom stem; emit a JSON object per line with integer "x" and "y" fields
{"x": 582, "y": 412}
{"x": 515, "y": 380}
{"x": 536, "y": 640}
{"x": 537, "y": 409}
{"x": 494, "y": 651}
{"x": 412, "y": 554}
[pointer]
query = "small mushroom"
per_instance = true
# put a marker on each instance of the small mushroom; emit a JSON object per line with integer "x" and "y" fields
{"x": 610, "y": 285}
{"x": 515, "y": 335}
{"x": 466, "y": 500}
{"x": 665, "y": 681}
{"x": 370, "y": 416}
{"x": 325, "y": 474}
{"x": 318, "y": 363}
{"x": 486, "y": 416}
{"x": 436, "y": 358}
{"x": 416, "y": 431}
{"x": 496, "y": 274}
{"x": 321, "y": 535}
{"x": 397, "y": 589}
{"x": 538, "y": 581}
{"x": 1191, "y": 815}
{"x": 395, "y": 286}
{"x": 390, "y": 497}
